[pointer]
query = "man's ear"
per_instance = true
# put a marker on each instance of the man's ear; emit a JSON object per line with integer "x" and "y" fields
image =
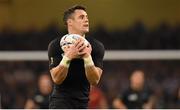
{"x": 69, "y": 21}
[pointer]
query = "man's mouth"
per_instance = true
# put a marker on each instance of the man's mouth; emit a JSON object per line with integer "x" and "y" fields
{"x": 86, "y": 25}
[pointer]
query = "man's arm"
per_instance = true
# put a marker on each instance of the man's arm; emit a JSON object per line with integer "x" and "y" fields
{"x": 30, "y": 104}
{"x": 150, "y": 103}
{"x": 118, "y": 104}
{"x": 59, "y": 73}
{"x": 93, "y": 73}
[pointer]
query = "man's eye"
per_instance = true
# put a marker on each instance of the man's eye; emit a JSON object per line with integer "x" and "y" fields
{"x": 81, "y": 17}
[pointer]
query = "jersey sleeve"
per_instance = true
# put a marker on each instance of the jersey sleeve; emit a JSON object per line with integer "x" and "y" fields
{"x": 147, "y": 93}
{"x": 98, "y": 54}
{"x": 54, "y": 54}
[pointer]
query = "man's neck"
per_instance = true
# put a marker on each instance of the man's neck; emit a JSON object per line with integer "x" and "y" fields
{"x": 74, "y": 32}
{"x": 83, "y": 35}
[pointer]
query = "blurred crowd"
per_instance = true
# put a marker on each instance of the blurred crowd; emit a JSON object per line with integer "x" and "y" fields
{"x": 136, "y": 37}
{"x": 19, "y": 79}
{"x": 19, "y": 82}
{"x": 162, "y": 77}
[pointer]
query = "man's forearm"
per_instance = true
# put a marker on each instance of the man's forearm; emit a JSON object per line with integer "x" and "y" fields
{"x": 118, "y": 104}
{"x": 59, "y": 73}
{"x": 93, "y": 73}
{"x": 150, "y": 103}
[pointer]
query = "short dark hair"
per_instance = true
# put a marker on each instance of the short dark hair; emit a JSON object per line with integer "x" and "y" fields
{"x": 70, "y": 11}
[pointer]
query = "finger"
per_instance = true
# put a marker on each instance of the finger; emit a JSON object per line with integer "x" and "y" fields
{"x": 89, "y": 45}
{"x": 77, "y": 42}
{"x": 81, "y": 43}
{"x": 81, "y": 53}
{"x": 82, "y": 48}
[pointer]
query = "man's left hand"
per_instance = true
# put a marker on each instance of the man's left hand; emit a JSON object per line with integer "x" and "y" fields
{"x": 86, "y": 51}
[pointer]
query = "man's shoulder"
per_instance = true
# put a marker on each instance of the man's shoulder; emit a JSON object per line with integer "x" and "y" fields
{"x": 54, "y": 43}
{"x": 95, "y": 42}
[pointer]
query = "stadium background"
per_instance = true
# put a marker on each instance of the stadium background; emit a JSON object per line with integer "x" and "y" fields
{"x": 119, "y": 24}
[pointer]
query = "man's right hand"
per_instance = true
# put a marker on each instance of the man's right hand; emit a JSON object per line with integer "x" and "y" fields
{"x": 73, "y": 51}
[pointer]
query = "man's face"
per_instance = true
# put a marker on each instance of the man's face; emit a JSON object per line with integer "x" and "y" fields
{"x": 45, "y": 84}
{"x": 137, "y": 79}
{"x": 79, "y": 22}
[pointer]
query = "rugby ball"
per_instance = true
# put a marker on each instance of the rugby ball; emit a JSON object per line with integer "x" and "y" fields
{"x": 70, "y": 39}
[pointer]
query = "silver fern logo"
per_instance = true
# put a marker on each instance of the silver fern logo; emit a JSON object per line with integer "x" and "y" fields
{"x": 52, "y": 60}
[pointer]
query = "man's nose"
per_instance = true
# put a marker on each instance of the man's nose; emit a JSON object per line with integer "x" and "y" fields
{"x": 86, "y": 20}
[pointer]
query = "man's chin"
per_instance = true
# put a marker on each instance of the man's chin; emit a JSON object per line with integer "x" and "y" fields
{"x": 86, "y": 31}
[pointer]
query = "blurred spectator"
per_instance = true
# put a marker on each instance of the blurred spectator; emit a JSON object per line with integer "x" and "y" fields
{"x": 135, "y": 37}
{"x": 137, "y": 96}
{"x": 17, "y": 78}
{"x": 97, "y": 99}
{"x": 7, "y": 90}
{"x": 176, "y": 99}
{"x": 40, "y": 99}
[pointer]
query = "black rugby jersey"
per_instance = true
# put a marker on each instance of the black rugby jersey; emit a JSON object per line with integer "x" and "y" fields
{"x": 41, "y": 100}
{"x": 135, "y": 99}
{"x": 75, "y": 85}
